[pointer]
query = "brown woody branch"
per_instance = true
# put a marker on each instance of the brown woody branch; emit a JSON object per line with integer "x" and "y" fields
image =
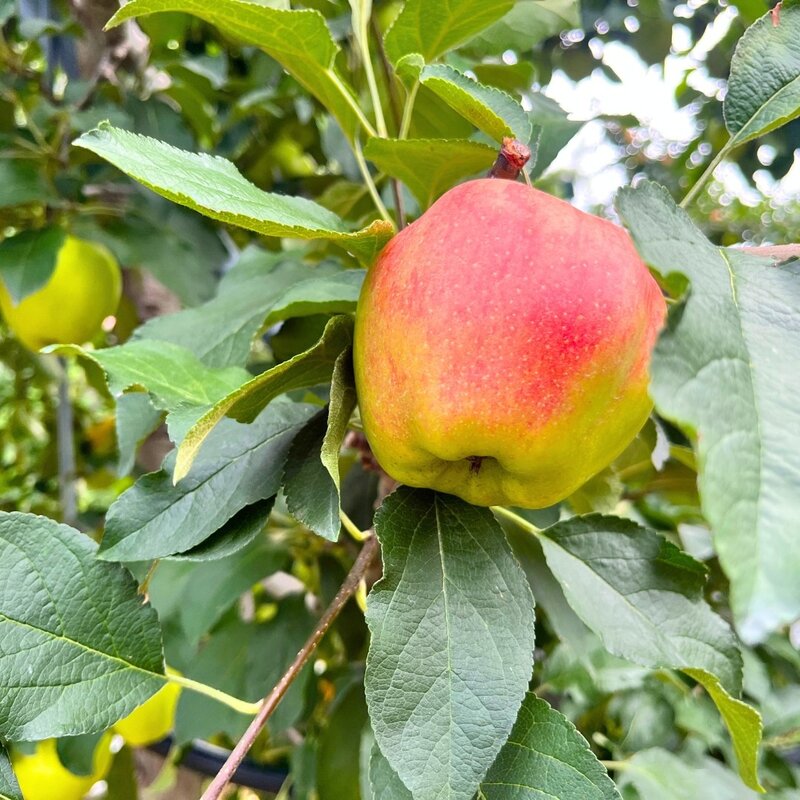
{"x": 271, "y": 701}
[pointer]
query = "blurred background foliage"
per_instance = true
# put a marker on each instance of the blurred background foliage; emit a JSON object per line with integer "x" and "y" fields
{"x": 176, "y": 78}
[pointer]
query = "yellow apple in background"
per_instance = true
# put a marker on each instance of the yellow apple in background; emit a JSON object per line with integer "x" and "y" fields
{"x": 154, "y": 719}
{"x": 42, "y": 776}
{"x": 83, "y": 290}
{"x": 502, "y": 346}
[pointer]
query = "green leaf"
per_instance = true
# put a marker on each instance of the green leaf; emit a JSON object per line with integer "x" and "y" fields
{"x": 80, "y": 649}
{"x": 339, "y": 749}
{"x": 719, "y": 373}
{"x": 556, "y": 130}
{"x": 209, "y": 589}
{"x": 343, "y": 401}
{"x": 764, "y": 83}
{"x": 121, "y": 779}
{"x": 311, "y": 495}
{"x": 566, "y": 624}
{"x": 28, "y": 259}
{"x": 21, "y": 183}
{"x": 309, "y": 368}
{"x": 299, "y": 40}
{"x": 311, "y": 478}
{"x": 383, "y": 780}
{"x": 429, "y": 167}
{"x": 743, "y": 722}
{"x": 214, "y": 187}
{"x": 641, "y": 595}
{"x": 135, "y": 419}
{"x": 490, "y": 110}
{"x": 245, "y": 659}
{"x": 156, "y": 235}
{"x": 9, "y": 788}
{"x": 445, "y": 678}
{"x": 431, "y": 29}
{"x": 172, "y": 375}
{"x": 545, "y": 756}
{"x": 241, "y": 465}
{"x": 235, "y": 534}
{"x": 76, "y": 753}
{"x": 259, "y": 291}
{"x": 660, "y": 775}
{"x": 526, "y": 24}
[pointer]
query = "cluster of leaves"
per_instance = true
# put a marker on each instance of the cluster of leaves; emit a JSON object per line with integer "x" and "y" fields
{"x": 236, "y": 538}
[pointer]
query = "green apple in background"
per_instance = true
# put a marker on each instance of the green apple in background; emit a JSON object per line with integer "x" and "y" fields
{"x": 82, "y": 291}
{"x": 502, "y": 346}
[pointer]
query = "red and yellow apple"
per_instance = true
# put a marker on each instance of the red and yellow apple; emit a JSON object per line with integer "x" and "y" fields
{"x": 502, "y": 346}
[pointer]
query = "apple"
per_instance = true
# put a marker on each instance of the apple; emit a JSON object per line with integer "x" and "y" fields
{"x": 502, "y": 346}
{"x": 82, "y": 291}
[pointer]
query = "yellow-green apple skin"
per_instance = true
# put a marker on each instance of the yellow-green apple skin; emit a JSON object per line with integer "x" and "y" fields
{"x": 502, "y": 346}
{"x": 42, "y": 776}
{"x": 82, "y": 291}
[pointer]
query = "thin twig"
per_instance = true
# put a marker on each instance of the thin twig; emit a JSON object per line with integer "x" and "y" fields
{"x": 271, "y": 701}
{"x": 65, "y": 437}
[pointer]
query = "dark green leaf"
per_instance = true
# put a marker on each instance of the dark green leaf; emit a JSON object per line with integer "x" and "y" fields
{"x": 76, "y": 753}
{"x": 260, "y": 290}
{"x": 241, "y": 465}
{"x": 214, "y": 187}
{"x": 309, "y": 368}
{"x": 245, "y": 659}
{"x": 660, "y": 775}
{"x": 384, "y": 781}
{"x": 339, "y": 747}
{"x": 28, "y": 259}
{"x": 299, "y": 40}
{"x": 764, "y": 84}
{"x": 80, "y": 649}
{"x": 429, "y": 167}
{"x": 527, "y": 24}
{"x": 432, "y": 29}
{"x": 209, "y": 589}
{"x": 172, "y": 375}
{"x": 9, "y": 788}
{"x": 235, "y": 534}
{"x": 135, "y": 419}
{"x": 21, "y": 183}
{"x": 546, "y": 757}
{"x": 719, "y": 372}
{"x": 343, "y": 401}
{"x": 641, "y": 595}
{"x": 445, "y": 678}
{"x": 556, "y": 130}
{"x": 121, "y": 778}
{"x": 490, "y": 110}
{"x": 311, "y": 494}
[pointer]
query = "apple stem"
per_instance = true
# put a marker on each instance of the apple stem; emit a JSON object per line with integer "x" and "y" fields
{"x": 513, "y": 156}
